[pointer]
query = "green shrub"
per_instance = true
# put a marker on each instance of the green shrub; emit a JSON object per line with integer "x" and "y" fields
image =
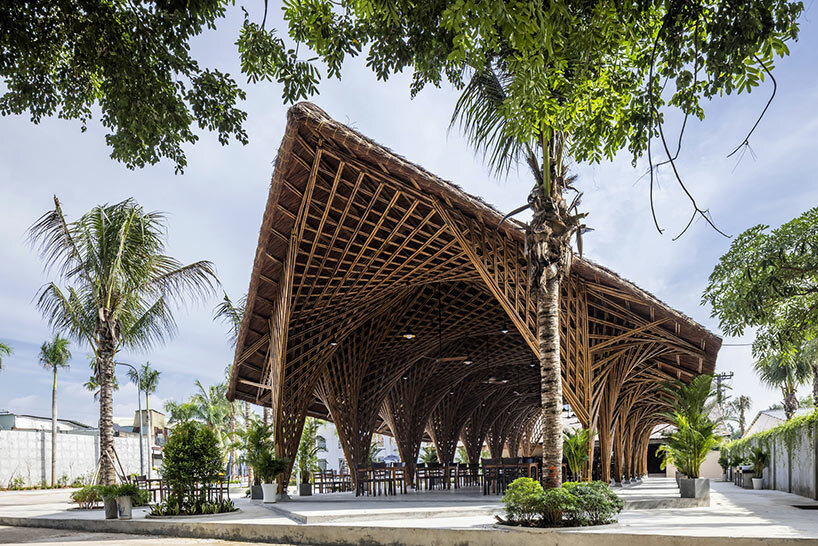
{"x": 17, "y": 483}
{"x": 87, "y": 497}
{"x": 595, "y": 503}
{"x": 195, "y": 508}
{"x": 127, "y": 490}
{"x": 191, "y": 456}
{"x": 142, "y": 498}
{"x": 553, "y": 503}
{"x": 79, "y": 481}
{"x": 522, "y": 501}
{"x": 108, "y": 491}
{"x": 759, "y": 459}
{"x": 268, "y": 466}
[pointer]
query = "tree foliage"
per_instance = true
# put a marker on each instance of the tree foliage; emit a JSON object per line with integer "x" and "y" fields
{"x": 55, "y": 354}
{"x": 119, "y": 282}
{"x": 605, "y": 74}
{"x": 308, "y": 448}
{"x": 191, "y": 456}
{"x": 575, "y": 446}
{"x": 694, "y": 437}
{"x": 5, "y": 350}
{"x": 128, "y": 63}
{"x": 769, "y": 280}
{"x": 787, "y": 372}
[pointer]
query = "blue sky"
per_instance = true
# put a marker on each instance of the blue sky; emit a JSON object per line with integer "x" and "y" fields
{"x": 214, "y": 209}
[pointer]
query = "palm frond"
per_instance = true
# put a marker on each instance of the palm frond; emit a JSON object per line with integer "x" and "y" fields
{"x": 479, "y": 115}
{"x": 5, "y": 350}
{"x": 231, "y": 314}
{"x": 56, "y": 353}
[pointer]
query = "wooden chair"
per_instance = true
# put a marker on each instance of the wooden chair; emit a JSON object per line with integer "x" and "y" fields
{"x": 492, "y": 474}
{"x": 398, "y": 478}
{"x": 365, "y": 481}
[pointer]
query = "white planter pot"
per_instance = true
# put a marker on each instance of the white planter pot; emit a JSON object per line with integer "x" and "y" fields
{"x": 268, "y": 491}
{"x": 758, "y": 483}
{"x": 125, "y": 507}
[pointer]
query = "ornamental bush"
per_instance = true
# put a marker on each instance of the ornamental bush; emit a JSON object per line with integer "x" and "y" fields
{"x": 575, "y": 503}
{"x": 191, "y": 456}
{"x": 553, "y": 503}
{"x": 87, "y": 497}
{"x": 522, "y": 501}
{"x": 596, "y": 504}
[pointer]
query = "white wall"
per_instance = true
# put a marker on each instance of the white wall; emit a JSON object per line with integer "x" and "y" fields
{"x": 710, "y": 467}
{"x": 27, "y": 454}
{"x": 335, "y": 453}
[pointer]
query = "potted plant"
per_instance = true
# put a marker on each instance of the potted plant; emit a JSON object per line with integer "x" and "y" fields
{"x": 109, "y": 494}
{"x": 307, "y": 457}
{"x": 257, "y": 440}
{"x": 759, "y": 459}
{"x": 694, "y": 437}
{"x": 268, "y": 468}
{"x": 125, "y": 494}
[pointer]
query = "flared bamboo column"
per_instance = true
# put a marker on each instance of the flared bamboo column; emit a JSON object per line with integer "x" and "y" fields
{"x": 496, "y": 438}
{"x": 354, "y": 386}
{"x": 444, "y": 426}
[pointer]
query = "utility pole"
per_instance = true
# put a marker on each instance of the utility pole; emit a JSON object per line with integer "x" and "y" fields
{"x": 721, "y": 380}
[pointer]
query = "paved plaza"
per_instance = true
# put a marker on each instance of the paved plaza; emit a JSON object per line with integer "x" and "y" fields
{"x": 733, "y": 512}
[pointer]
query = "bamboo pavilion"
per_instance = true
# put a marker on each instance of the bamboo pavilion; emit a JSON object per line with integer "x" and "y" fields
{"x": 383, "y": 298}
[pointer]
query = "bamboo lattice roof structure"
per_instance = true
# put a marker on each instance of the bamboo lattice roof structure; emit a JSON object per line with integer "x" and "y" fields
{"x": 358, "y": 245}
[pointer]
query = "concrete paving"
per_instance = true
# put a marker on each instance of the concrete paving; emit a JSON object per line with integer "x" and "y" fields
{"x": 734, "y": 512}
{"x": 27, "y": 535}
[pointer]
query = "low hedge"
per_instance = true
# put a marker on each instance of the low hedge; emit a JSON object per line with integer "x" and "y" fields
{"x": 573, "y": 504}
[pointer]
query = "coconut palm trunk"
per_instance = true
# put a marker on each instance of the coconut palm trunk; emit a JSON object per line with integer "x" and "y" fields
{"x": 149, "y": 434}
{"x": 105, "y": 378}
{"x": 548, "y": 240}
{"x": 790, "y": 402}
{"x": 54, "y": 430}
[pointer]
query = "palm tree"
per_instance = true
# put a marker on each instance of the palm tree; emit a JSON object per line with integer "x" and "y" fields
{"x": 147, "y": 379}
{"x": 479, "y": 113}
{"x": 810, "y": 352}
{"x": 786, "y": 372}
{"x": 180, "y": 412}
{"x": 428, "y": 454}
{"x": 120, "y": 289}
{"x": 53, "y": 356}
{"x": 212, "y": 407}
{"x": 5, "y": 350}
{"x": 576, "y": 451}
{"x": 741, "y": 406}
{"x": 92, "y": 384}
{"x": 231, "y": 314}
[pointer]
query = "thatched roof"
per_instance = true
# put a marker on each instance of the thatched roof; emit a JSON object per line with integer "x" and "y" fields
{"x": 344, "y": 214}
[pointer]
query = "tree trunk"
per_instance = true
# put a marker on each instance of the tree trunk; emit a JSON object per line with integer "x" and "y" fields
{"x": 549, "y": 258}
{"x": 105, "y": 375}
{"x": 550, "y": 382}
{"x": 815, "y": 384}
{"x": 741, "y": 421}
{"x": 54, "y": 430}
{"x": 790, "y": 403}
{"x": 268, "y": 416}
{"x": 148, "y": 435}
{"x": 247, "y": 424}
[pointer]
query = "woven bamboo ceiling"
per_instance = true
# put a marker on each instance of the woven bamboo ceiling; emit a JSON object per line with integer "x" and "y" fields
{"x": 359, "y": 247}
